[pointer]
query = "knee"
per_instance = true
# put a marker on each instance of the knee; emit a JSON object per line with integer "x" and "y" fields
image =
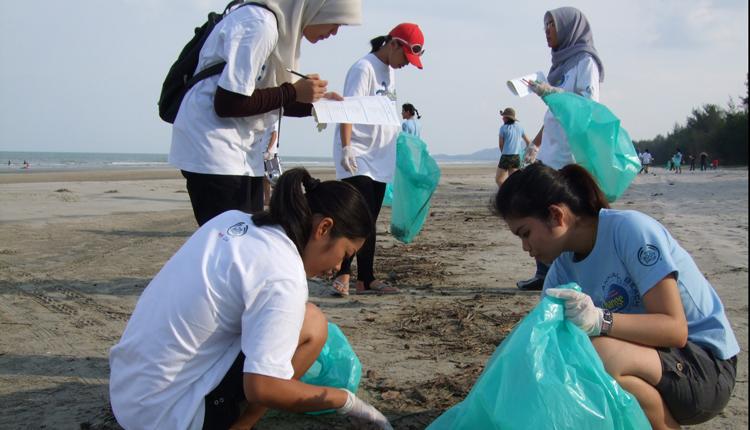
{"x": 315, "y": 326}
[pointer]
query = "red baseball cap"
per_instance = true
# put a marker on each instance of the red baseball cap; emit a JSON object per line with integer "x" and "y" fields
{"x": 412, "y": 39}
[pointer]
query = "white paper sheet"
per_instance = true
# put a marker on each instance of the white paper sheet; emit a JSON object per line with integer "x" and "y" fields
{"x": 357, "y": 110}
{"x": 520, "y": 89}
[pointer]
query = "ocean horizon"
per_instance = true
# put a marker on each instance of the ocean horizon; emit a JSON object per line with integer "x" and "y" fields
{"x": 13, "y": 161}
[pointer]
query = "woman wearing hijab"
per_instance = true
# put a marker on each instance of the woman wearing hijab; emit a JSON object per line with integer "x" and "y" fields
{"x": 217, "y": 137}
{"x": 577, "y": 68}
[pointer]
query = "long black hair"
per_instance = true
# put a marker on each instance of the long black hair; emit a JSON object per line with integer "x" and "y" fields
{"x": 530, "y": 192}
{"x": 298, "y": 197}
{"x": 411, "y": 109}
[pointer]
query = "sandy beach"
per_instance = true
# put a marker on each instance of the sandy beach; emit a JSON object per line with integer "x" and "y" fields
{"x": 77, "y": 249}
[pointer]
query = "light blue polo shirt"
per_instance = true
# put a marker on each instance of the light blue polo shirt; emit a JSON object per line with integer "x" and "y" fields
{"x": 512, "y": 135}
{"x": 632, "y": 253}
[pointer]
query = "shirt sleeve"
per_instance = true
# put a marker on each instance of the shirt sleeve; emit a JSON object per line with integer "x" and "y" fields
{"x": 271, "y": 325}
{"x": 247, "y": 45}
{"x": 587, "y": 79}
{"x": 644, "y": 246}
{"x": 358, "y": 80}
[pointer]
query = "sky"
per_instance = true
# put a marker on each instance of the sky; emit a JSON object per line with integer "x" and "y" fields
{"x": 85, "y": 75}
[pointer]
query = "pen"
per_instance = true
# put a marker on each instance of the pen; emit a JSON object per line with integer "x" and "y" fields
{"x": 297, "y": 73}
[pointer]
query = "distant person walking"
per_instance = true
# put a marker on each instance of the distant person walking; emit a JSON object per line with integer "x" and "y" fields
{"x": 576, "y": 68}
{"x": 704, "y": 161}
{"x": 691, "y": 159}
{"x": 646, "y": 159}
{"x": 411, "y": 116}
{"x": 512, "y": 140}
{"x": 217, "y": 135}
{"x": 366, "y": 154}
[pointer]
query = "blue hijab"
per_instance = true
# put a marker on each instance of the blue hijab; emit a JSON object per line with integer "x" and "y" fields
{"x": 575, "y": 42}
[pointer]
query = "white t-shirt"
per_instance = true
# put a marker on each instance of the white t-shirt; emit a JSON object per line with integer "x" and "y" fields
{"x": 232, "y": 286}
{"x": 647, "y": 157}
{"x": 373, "y": 145}
{"x": 202, "y": 142}
{"x": 583, "y": 79}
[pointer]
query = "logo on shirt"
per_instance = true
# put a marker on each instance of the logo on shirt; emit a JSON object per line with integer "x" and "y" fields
{"x": 384, "y": 92}
{"x": 648, "y": 255}
{"x": 238, "y": 229}
{"x": 619, "y": 293}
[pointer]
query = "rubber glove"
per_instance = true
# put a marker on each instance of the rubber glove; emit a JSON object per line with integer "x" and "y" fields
{"x": 348, "y": 160}
{"x": 580, "y": 310}
{"x": 267, "y": 156}
{"x": 531, "y": 151}
{"x": 543, "y": 88}
{"x": 359, "y": 409}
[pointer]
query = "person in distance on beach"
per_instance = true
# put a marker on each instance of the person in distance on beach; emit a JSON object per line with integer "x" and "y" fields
{"x": 226, "y": 320}
{"x": 217, "y": 134}
{"x": 511, "y": 140}
{"x": 656, "y": 322}
{"x": 411, "y": 116}
{"x": 366, "y": 154}
{"x": 577, "y": 68}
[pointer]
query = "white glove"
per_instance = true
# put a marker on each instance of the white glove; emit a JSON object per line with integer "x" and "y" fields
{"x": 348, "y": 159}
{"x": 267, "y": 156}
{"x": 543, "y": 88}
{"x": 356, "y": 408}
{"x": 531, "y": 151}
{"x": 580, "y": 310}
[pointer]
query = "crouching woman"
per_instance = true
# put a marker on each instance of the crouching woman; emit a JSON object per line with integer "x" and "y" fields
{"x": 226, "y": 323}
{"x": 656, "y": 322}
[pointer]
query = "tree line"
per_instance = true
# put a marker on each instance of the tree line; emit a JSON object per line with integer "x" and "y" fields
{"x": 720, "y": 132}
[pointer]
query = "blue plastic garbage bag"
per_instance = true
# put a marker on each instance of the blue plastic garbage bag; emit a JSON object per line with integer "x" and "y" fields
{"x": 597, "y": 141}
{"x": 545, "y": 375}
{"x": 337, "y": 365}
{"x": 417, "y": 176}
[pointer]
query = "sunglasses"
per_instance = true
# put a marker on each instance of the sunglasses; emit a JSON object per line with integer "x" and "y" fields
{"x": 415, "y": 49}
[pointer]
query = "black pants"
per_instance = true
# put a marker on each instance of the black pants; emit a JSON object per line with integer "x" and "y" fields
{"x": 373, "y": 191}
{"x": 212, "y": 195}
{"x": 223, "y": 402}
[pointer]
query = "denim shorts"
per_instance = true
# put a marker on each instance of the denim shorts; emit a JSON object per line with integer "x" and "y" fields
{"x": 695, "y": 385}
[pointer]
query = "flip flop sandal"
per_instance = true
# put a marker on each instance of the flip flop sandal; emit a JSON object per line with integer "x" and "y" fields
{"x": 340, "y": 289}
{"x": 379, "y": 287}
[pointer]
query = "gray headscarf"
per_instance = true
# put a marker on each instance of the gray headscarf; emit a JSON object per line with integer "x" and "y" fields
{"x": 575, "y": 42}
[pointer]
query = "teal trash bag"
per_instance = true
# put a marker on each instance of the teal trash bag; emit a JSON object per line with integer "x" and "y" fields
{"x": 388, "y": 197}
{"x": 417, "y": 176}
{"x": 337, "y": 365}
{"x": 545, "y": 375}
{"x": 597, "y": 141}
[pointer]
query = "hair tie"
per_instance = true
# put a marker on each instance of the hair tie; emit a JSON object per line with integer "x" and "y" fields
{"x": 310, "y": 184}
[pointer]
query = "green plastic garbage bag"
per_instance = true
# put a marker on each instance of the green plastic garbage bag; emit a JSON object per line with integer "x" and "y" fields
{"x": 545, "y": 375}
{"x": 388, "y": 197}
{"x": 417, "y": 176}
{"x": 597, "y": 141}
{"x": 337, "y": 365}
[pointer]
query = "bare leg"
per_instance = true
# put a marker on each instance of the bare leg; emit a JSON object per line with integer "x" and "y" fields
{"x": 312, "y": 337}
{"x": 501, "y": 176}
{"x": 637, "y": 369}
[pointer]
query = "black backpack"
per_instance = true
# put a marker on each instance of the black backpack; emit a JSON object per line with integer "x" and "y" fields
{"x": 180, "y": 77}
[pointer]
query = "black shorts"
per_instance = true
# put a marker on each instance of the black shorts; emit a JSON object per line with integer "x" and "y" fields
{"x": 508, "y": 162}
{"x": 223, "y": 404}
{"x": 212, "y": 195}
{"x": 695, "y": 385}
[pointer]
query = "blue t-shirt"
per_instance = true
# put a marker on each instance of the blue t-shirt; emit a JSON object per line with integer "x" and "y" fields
{"x": 411, "y": 126}
{"x": 513, "y": 142}
{"x": 632, "y": 253}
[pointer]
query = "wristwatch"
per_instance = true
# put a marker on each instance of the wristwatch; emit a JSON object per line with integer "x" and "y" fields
{"x": 606, "y": 322}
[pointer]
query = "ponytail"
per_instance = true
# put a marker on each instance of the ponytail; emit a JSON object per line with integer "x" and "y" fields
{"x": 531, "y": 191}
{"x": 379, "y": 42}
{"x": 298, "y": 196}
